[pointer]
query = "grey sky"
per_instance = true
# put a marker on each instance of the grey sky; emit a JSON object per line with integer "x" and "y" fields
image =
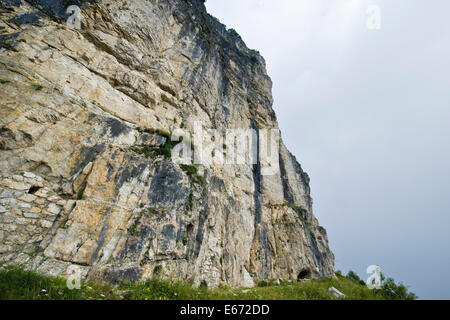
{"x": 367, "y": 113}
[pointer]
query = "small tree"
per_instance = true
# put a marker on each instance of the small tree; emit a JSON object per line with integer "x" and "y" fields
{"x": 354, "y": 277}
{"x": 393, "y": 291}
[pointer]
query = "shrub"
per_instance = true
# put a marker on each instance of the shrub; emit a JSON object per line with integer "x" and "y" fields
{"x": 164, "y": 150}
{"x": 353, "y": 276}
{"x": 157, "y": 269}
{"x": 145, "y": 259}
{"x": 392, "y": 291}
{"x": 132, "y": 231}
{"x": 199, "y": 180}
{"x": 189, "y": 169}
{"x": 146, "y": 150}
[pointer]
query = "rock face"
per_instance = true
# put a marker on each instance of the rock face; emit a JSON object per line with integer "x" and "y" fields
{"x": 87, "y": 177}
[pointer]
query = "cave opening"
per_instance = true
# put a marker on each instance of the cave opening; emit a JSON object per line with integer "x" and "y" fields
{"x": 33, "y": 189}
{"x": 304, "y": 274}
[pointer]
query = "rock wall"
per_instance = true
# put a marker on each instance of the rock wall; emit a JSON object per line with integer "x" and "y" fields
{"x": 86, "y": 176}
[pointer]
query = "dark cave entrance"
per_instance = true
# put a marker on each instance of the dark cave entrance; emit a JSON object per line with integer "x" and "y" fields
{"x": 304, "y": 274}
{"x": 33, "y": 189}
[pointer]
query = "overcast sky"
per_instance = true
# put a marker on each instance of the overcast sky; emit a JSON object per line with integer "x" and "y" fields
{"x": 367, "y": 113}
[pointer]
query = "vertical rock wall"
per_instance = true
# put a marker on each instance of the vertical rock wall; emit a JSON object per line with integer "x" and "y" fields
{"x": 86, "y": 177}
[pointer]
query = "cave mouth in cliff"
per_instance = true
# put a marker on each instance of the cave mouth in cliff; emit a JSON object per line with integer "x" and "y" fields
{"x": 304, "y": 274}
{"x": 33, "y": 189}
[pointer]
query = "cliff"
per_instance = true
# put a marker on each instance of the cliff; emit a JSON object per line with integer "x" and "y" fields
{"x": 88, "y": 177}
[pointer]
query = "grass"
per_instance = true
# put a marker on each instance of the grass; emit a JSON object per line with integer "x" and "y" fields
{"x": 146, "y": 150}
{"x": 18, "y": 284}
{"x": 37, "y": 86}
{"x": 81, "y": 192}
{"x": 189, "y": 169}
{"x": 190, "y": 204}
{"x": 199, "y": 180}
{"x": 133, "y": 228}
{"x": 309, "y": 290}
{"x": 164, "y": 150}
{"x": 2, "y": 81}
{"x": 145, "y": 259}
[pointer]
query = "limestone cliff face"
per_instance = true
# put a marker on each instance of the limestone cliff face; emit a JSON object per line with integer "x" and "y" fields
{"x": 86, "y": 178}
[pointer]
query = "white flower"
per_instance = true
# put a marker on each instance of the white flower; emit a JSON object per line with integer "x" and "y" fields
{"x": 43, "y": 290}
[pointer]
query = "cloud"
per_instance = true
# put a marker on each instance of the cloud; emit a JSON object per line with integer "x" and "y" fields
{"x": 367, "y": 113}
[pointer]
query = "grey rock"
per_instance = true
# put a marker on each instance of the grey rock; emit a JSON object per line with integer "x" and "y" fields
{"x": 54, "y": 209}
{"x": 336, "y": 293}
{"x": 90, "y": 141}
{"x": 7, "y": 194}
{"x": 31, "y": 215}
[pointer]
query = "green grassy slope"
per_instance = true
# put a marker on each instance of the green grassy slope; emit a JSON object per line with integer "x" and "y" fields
{"x": 18, "y": 284}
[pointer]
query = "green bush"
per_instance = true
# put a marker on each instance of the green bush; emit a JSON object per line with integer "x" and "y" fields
{"x": 199, "y": 180}
{"x": 164, "y": 150}
{"x": 389, "y": 289}
{"x": 393, "y": 291}
{"x": 353, "y": 276}
{"x": 132, "y": 231}
{"x": 189, "y": 169}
